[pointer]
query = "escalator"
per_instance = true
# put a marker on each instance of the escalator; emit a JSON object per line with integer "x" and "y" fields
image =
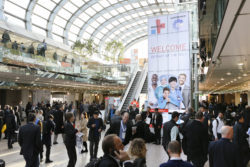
{"x": 131, "y": 92}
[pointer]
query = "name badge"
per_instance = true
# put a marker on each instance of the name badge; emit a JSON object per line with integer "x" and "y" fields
{"x": 123, "y": 135}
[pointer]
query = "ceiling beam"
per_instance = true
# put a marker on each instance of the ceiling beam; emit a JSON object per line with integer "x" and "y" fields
{"x": 52, "y": 16}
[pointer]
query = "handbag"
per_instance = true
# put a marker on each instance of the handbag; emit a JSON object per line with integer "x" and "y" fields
{"x": 3, "y": 128}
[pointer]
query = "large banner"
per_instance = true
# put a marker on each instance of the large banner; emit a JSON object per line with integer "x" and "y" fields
{"x": 169, "y": 70}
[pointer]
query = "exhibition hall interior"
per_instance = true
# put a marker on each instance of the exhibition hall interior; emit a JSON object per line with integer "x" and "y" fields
{"x": 124, "y": 83}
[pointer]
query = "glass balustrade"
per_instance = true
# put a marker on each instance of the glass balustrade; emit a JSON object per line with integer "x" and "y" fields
{"x": 15, "y": 61}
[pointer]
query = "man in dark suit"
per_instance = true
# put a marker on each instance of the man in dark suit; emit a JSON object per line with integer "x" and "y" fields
{"x": 48, "y": 129}
{"x": 223, "y": 152}
{"x": 30, "y": 141}
{"x": 122, "y": 128}
{"x": 170, "y": 130}
{"x": 197, "y": 141}
{"x": 11, "y": 127}
{"x": 157, "y": 123}
{"x": 240, "y": 139}
{"x": 111, "y": 145}
{"x": 174, "y": 151}
{"x": 95, "y": 126}
{"x": 70, "y": 139}
{"x": 140, "y": 127}
{"x": 58, "y": 119}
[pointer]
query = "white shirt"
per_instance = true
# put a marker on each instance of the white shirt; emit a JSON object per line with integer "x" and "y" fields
{"x": 174, "y": 132}
{"x": 151, "y": 94}
{"x": 182, "y": 87}
{"x": 175, "y": 158}
{"x": 217, "y": 128}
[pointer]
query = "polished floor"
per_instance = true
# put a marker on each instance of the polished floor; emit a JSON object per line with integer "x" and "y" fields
{"x": 155, "y": 155}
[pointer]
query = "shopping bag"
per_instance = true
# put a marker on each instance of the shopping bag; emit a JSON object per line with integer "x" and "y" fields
{"x": 3, "y": 128}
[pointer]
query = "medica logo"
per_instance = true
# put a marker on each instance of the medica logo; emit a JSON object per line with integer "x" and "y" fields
{"x": 158, "y": 27}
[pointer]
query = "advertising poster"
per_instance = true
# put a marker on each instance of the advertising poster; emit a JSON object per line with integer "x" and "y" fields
{"x": 169, "y": 80}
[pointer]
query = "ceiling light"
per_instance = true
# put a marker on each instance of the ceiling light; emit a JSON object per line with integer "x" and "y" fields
{"x": 222, "y": 79}
{"x": 17, "y": 78}
{"x": 229, "y": 73}
{"x": 240, "y": 64}
{"x": 218, "y": 82}
{"x": 235, "y": 79}
{"x": 245, "y": 75}
{"x": 239, "y": 77}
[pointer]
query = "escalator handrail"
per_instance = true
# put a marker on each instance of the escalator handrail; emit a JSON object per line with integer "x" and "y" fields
{"x": 128, "y": 87}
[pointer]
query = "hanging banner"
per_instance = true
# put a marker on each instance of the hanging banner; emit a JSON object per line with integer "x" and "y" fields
{"x": 169, "y": 68}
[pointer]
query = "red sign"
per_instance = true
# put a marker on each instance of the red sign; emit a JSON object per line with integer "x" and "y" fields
{"x": 160, "y": 110}
{"x": 159, "y": 26}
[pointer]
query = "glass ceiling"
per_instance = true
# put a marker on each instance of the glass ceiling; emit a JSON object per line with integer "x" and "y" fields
{"x": 102, "y": 20}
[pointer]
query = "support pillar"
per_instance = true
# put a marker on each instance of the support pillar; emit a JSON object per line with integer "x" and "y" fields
{"x": 237, "y": 98}
{"x": 248, "y": 98}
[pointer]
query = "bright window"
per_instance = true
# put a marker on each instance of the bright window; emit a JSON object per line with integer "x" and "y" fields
{"x": 39, "y": 21}
{"x": 48, "y": 4}
{"x": 64, "y": 14}
{"x": 15, "y": 10}
{"x": 60, "y": 21}
{"x": 70, "y": 7}
{"x": 57, "y": 30}
{"x": 15, "y": 21}
{"x": 38, "y": 30}
{"x": 41, "y": 11}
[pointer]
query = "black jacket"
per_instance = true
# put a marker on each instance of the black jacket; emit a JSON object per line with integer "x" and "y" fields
{"x": 158, "y": 119}
{"x": 10, "y": 123}
{"x": 140, "y": 130}
{"x": 58, "y": 119}
{"x": 133, "y": 113}
{"x": 92, "y": 130}
{"x": 48, "y": 127}
{"x": 108, "y": 161}
{"x": 70, "y": 134}
{"x": 115, "y": 129}
{"x": 240, "y": 139}
{"x": 197, "y": 140}
{"x": 139, "y": 162}
{"x": 144, "y": 115}
{"x": 115, "y": 118}
{"x": 167, "y": 127}
{"x": 30, "y": 139}
{"x": 223, "y": 153}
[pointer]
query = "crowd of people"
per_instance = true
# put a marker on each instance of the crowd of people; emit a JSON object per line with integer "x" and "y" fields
{"x": 216, "y": 133}
{"x": 30, "y": 49}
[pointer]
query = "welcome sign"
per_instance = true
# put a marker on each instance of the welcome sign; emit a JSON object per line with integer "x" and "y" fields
{"x": 169, "y": 87}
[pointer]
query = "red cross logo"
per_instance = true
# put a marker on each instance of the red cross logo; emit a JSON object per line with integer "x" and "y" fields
{"x": 159, "y": 26}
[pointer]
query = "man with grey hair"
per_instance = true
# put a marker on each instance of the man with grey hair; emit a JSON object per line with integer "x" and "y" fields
{"x": 116, "y": 117}
{"x": 223, "y": 152}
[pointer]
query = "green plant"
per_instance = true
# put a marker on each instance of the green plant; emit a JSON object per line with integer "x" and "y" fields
{"x": 115, "y": 48}
{"x": 87, "y": 48}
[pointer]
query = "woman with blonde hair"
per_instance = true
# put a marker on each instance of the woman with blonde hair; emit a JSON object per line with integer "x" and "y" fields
{"x": 84, "y": 130}
{"x": 137, "y": 152}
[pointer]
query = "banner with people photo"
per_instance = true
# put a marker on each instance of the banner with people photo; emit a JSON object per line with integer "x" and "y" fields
{"x": 169, "y": 80}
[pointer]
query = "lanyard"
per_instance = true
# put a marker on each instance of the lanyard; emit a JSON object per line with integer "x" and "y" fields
{"x": 123, "y": 129}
